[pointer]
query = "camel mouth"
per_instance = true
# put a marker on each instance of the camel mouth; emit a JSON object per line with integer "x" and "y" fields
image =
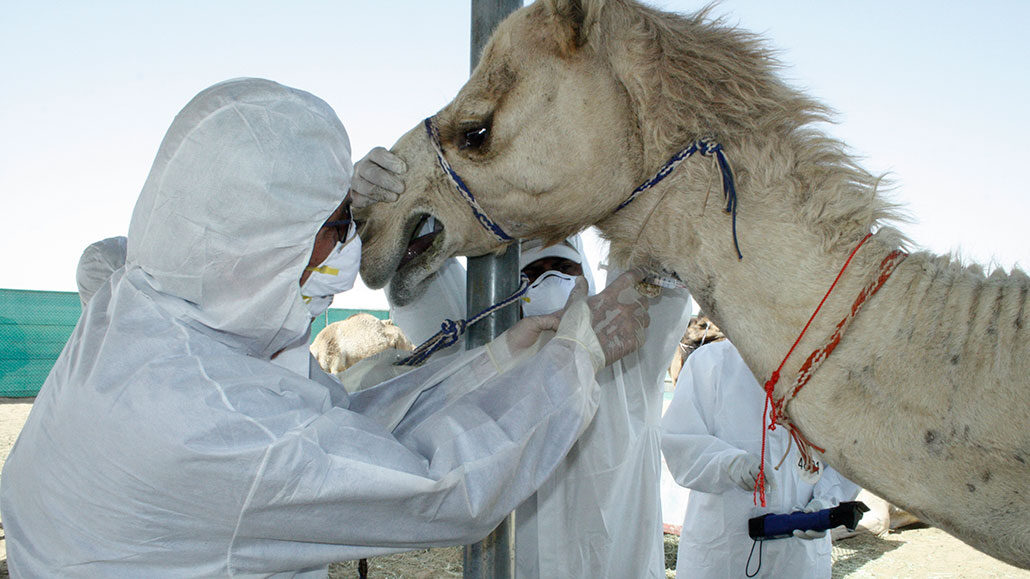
{"x": 423, "y": 238}
{"x": 425, "y": 253}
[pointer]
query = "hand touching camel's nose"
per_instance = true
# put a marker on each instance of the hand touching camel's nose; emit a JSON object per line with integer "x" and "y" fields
{"x": 375, "y": 178}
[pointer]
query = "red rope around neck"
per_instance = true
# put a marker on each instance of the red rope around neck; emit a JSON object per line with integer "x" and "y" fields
{"x": 770, "y": 384}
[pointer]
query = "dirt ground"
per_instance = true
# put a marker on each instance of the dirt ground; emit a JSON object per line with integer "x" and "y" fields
{"x": 916, "y": 552}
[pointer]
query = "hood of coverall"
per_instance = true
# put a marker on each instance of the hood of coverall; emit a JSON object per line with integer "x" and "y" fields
{"x": 226, "y": 221}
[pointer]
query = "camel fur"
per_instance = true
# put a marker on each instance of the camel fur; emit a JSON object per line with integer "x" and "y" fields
{"x": 926, "y": 400}
{"x": 342, "y": 344}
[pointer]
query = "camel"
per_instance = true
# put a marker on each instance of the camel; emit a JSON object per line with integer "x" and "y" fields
{"x": 700, "y": 331}
{"x": 925, "y": 400}
{"x": 342, "y": 344}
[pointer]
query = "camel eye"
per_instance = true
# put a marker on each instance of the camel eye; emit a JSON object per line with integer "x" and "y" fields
{"x": 475, "y": 138}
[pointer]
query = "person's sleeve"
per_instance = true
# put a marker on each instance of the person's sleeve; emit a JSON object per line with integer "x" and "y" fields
{"x": 472, "y": 445}
{"x": 696, "y": 458}
{"x": 443, "y": 299}
{"x": 670, "y": 314}
{"x": 833, "y": 488}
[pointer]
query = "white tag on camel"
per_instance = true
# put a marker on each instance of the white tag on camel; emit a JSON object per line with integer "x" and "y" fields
{"x": 812, "y": 474}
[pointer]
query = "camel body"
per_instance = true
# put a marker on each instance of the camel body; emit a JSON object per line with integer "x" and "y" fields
{"x": 926, "y": 399}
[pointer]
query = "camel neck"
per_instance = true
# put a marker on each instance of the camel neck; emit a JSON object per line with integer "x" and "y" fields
{"x": 787, "y": 266}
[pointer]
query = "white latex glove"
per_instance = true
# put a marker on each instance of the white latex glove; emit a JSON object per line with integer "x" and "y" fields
{"x": 526, "y": 332}
{"x": 618, "y": 315}
{"x": 375, "y": 178}
{"x": 813, "y": 506}
{"x": 522, "y": 339}
{"x": 743, "y": 470}
{"x": 809, "y": 535}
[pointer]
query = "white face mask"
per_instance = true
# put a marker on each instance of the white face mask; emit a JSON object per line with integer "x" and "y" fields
{"x": 335, "y": 275}
{"x": 548, "y": 293}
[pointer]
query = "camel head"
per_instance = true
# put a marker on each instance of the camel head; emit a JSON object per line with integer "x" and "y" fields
{"x": 542, "y": 136}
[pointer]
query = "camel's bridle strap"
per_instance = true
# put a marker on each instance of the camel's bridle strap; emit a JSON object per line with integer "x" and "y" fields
{"x": 451, "y": 330}
{"x": 776, "y": 410}
{"x": 705, "y": 146}
{"x": 463, "y": 190}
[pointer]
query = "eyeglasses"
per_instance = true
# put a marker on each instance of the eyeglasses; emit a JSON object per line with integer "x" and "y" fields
{"x": 341, "y": 226}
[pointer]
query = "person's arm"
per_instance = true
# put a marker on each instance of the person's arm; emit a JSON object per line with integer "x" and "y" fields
{"x": 697, "y": 458}
{"x": 467, "y": 452}
{"x": 670, "y": 314}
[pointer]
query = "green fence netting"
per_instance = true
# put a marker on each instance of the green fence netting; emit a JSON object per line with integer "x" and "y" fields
{"x": 35, "y": 325}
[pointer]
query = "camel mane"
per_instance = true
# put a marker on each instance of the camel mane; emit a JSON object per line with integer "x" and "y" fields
{"x": 689, "y": 76}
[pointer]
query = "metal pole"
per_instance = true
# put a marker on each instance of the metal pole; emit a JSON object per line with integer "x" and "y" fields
{"x": 489, "y": 280}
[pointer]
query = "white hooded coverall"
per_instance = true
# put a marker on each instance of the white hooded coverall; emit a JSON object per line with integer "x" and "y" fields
{"x": 599, "y": 514}
{"x": 716, "y": 415}
{"x": 96, "y": 264}
{"x": 166, "y": 443}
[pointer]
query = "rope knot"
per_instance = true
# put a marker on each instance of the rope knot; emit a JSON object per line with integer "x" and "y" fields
{"x": 451, "y": 331}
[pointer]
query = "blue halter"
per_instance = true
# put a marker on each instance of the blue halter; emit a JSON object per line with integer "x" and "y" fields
{"x": 451, "y": 330}
{"x": 707, "y": 148}
{"x": 463, "y": 190}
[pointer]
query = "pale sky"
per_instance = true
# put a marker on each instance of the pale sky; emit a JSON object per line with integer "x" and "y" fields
{"x": 935, "y": 92}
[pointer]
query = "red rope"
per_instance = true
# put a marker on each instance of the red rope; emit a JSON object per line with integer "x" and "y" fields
{"x": 770, "y": 385}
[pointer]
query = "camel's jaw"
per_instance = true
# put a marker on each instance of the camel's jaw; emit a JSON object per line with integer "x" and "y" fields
{"x": 404, "y": 256}
{"x": 426, "y": 252}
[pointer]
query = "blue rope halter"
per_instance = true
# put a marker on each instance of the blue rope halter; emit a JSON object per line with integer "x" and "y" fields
{"x": 463, "y": 190}
{"x": 707, "y": 148}
{"x": 451, "y": 330}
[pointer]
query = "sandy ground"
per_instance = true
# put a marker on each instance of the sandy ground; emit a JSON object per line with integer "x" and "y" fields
{"x": 917, "y": 552}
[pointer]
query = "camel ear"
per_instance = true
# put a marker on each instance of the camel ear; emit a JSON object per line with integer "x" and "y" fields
{"x": 576, "y": 18}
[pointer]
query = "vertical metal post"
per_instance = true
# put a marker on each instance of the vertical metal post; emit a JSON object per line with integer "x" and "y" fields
{"x": 489, "y": 280}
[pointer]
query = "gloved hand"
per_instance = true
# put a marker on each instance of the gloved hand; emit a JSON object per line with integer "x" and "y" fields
{"x": 522, "y": 339}
{"x": 618, "y": 315}
{"x": 527, "y": 331}
{"x": 813, "y": 506}
{"x": 743, "y": 470}
{"x": 375, "y": 178}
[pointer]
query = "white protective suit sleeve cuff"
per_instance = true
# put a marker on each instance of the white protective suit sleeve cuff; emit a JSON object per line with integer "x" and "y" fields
{"x": 575, "y": 327}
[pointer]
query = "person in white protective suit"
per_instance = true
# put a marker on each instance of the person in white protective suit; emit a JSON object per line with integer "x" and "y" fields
{"x": 712, "y": 440}
{"x": 599, "y": 514}
{"x": 165, "y": 442}
{"x": 96, "y": 264}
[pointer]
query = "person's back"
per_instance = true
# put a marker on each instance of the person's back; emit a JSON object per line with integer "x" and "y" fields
{"x": 116, "y": 446}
